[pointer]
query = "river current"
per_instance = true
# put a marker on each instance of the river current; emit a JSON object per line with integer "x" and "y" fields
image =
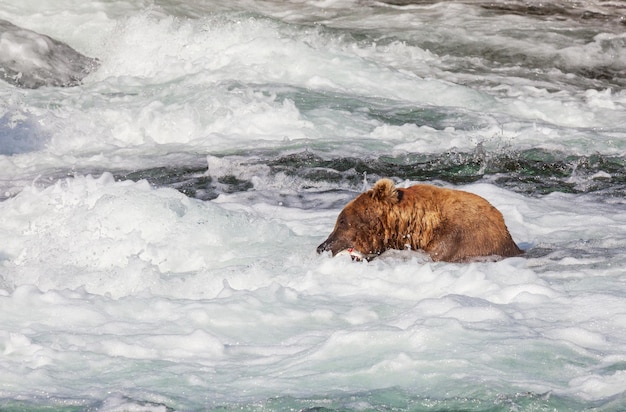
{"x": 159, "y": 217}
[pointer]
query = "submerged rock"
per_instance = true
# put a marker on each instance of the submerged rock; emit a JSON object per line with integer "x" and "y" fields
{"x": 31, "y": 60}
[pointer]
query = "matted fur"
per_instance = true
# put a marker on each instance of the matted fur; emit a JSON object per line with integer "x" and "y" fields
{"x": 450, "y": 225}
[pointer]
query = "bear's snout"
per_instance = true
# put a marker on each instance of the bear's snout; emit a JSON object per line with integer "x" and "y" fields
{"x": 324, "y": 247}
{"x": 333, "y": 245}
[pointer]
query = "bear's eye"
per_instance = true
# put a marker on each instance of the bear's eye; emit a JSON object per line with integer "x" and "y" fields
{"x": 343, "y": 222}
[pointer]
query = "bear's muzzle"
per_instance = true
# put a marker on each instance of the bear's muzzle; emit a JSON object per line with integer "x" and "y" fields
{"x": 325, "y": 247}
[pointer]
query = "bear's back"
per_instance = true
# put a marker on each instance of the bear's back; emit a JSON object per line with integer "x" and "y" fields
{"x": 464, "y": 225}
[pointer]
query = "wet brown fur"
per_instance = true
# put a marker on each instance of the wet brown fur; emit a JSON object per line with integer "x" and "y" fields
{"x": 449, "y": 225}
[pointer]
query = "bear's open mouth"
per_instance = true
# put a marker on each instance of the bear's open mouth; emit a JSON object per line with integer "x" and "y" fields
{"x": 355, "y": 254}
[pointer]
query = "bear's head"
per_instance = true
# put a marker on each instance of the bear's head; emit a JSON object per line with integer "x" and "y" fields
{"x": 361, "y": 225}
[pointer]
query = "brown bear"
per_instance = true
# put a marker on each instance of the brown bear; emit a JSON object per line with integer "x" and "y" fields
{"x": 449, "y": 225}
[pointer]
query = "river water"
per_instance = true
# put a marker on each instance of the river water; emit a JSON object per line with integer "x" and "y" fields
{"x": 158, "y": 222}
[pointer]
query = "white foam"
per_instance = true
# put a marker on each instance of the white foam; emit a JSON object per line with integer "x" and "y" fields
{"x": 595, "y": 386}
{"x": 213, "y": 84}
{"x": 111, "y": 282}
{"x": 97, "y": 226}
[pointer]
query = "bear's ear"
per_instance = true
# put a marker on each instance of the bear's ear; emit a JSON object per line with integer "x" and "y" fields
{"x": 385, "y": 191}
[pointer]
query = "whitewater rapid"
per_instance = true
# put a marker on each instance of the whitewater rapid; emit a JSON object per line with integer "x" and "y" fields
{"x": 158, "y": 221}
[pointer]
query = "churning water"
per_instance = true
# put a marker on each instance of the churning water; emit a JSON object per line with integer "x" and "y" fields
{"x": 158, "y": 222}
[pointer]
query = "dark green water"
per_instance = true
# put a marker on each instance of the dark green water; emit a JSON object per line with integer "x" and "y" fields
{"x": 533, "y": 172}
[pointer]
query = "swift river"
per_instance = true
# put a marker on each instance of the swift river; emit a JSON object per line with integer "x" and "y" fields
{"x": 168, "y": 167}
